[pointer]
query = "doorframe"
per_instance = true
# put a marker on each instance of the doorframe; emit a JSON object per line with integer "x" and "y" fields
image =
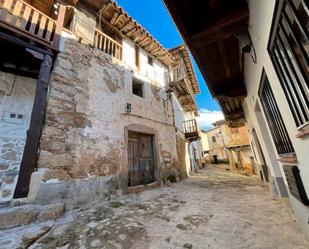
{"x": 141, "y": 129}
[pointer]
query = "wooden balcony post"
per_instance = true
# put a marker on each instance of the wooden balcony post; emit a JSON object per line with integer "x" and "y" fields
{"x": 59, "y": 25}
{"x": 30, "y": 156}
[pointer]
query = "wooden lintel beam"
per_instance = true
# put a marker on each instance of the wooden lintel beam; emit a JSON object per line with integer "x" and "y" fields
{"x": 17, "y": 41}
{"x": 224, "y": 58}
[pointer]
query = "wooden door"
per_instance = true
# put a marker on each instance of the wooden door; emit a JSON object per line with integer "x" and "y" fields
{"x": 140, "y": 159}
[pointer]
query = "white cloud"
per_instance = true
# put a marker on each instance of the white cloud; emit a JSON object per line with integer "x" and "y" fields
{"x": 207, "y": 117}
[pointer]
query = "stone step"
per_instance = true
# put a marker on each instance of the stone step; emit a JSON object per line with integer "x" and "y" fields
{"x": 4, "y": 204}
{"x": 23, "y": 215}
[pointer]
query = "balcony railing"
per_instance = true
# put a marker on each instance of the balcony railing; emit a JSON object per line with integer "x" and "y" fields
{"x": 107, "y": 44}
{"x": 190, "y": 129}
{"x": 175, "y": 74}
{"x": 19, "y": 16}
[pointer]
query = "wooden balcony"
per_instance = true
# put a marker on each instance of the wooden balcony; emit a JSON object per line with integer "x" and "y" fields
{"x": 179, "y": 81}
{"x": 107, "y": 44}
{"x": 175, "y": 75}
{"x": 191, "y": 130}
{"x": 22, "y": 18}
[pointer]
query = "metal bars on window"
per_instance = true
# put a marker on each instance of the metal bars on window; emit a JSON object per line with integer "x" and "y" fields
{"x": 274, "y": 119}
{"x": 289, "y": 50}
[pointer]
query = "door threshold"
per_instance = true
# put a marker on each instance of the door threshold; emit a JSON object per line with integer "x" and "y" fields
{"x": 141, "y": 188}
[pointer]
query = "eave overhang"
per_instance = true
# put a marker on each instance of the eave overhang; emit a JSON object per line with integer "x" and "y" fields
{"x": 210, "y": 30}
{"x": 112, "y": 15}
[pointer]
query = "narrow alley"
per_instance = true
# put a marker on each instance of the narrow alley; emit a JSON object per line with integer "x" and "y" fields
{"x": 214, "y": 208}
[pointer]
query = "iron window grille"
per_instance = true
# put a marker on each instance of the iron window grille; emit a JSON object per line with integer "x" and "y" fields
{"x": 274, "y": 119}
{"x": 289, "y": 51}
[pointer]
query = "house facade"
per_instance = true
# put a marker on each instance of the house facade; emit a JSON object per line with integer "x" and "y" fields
{"x": 188, "y": 134}
{"x": 88, "y": 103}
{"x": 254, "y": 55}
{"x": 217, "y": 150}
{"x": 231, "y": 145}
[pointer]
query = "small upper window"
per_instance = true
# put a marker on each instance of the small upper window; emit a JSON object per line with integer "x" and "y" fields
{"x": 150, "y": 60}
{"x": 213, "y": 139}
{"x": 137, "y": 87}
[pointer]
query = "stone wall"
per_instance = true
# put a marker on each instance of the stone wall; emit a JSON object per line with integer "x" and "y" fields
{"x": 16, "y": 98}
{"x": 10, "y": 158}
{"x": 84, "y": 133}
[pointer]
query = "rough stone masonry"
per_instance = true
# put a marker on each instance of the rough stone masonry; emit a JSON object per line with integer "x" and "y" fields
{"x": 84, "y": 135}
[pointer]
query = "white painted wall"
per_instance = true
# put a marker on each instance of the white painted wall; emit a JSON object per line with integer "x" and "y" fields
{"x": 145, "y": 71}
{"x": 261, "y": 14}
{"x": 16, "y": 96}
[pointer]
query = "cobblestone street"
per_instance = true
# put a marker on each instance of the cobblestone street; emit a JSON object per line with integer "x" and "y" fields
{"x": 215, "y": 208}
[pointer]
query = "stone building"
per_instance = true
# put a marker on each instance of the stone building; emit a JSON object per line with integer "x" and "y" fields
{"x": 217, "y": 150}
{"x": 237, "y": 146}
{"x": 254, "y": 57}
{"x": 91, "y": 104}
{"x": 231, "y": 145}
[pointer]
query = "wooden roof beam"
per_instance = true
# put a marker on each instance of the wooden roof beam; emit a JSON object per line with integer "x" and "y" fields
{"x": 115, "y": 18}
{"x": 224, "y": 58}
{"x": 105, "y": 8}
{"x": 131, "y": 31}
{"x": 239, "y": 16}
{"x": 125, "y": 26}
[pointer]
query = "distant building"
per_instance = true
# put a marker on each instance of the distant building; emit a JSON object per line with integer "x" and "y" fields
{"x": 217, "y": 151}
{"x": 230, "y": 145}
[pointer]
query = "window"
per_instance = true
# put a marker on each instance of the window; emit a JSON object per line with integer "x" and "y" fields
{"x": 213, "y": 139}
{"x": 289, "y": 51}
{"x": 137, "y": 87}
{"x": 150, "y": 60}
{"x": 137, "y": 56}
{"x": 273, "y": 117}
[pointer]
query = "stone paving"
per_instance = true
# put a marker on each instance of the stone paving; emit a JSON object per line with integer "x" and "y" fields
{"x": 215, "y": 209}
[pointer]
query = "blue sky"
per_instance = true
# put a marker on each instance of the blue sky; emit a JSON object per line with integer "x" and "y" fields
{"x": 153, "y": 16}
